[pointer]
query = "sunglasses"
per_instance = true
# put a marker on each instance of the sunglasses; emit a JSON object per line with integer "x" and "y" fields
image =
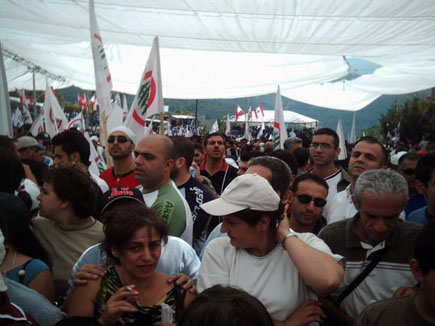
{"x": 408, "y": 171}
{"x": 305, "y": 199}
{"x": 120, "y": 139}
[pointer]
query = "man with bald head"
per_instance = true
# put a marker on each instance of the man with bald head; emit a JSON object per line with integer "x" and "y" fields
{"x": 154, "y": 160}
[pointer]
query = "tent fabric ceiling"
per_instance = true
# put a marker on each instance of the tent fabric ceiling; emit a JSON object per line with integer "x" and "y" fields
{"x": 228, "y": 49}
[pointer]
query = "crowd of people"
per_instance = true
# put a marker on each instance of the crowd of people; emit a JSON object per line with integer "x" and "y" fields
{"x": 209, "y": 230}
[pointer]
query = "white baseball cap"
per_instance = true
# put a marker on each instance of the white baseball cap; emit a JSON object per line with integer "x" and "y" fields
{"x": 126, "y": 131}
{"x": 248, "y": 191}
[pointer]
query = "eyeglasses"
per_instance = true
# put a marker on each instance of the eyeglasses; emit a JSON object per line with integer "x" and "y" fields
{"x": 120, "y": 139}
{"x": 408, "y": 171}
{"x": 196, "y": 154}
{"x": 305, "y": 199}
{"x": 322, "y": 145}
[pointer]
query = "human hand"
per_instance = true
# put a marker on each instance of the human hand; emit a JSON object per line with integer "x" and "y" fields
{"x": 118, "y": 304}
{"x": 310, "y": 311}
{"x": 184, "y": 281}
{"x": 283, "y": 227}
{"x": 88, "y": 272}
{"x": 404, "y": 291}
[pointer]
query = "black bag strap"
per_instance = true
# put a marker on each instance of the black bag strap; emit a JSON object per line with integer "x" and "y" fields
{"x": 357, "y": 281}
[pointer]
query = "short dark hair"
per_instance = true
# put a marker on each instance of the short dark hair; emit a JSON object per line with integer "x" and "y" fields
{"x": 281, "y": 173}
{"x": 121, "y": 224}
{"x": 11, "y": 172}
{"x": 424, "y": 250}
{"x": 309, "y": 177}
{"x": 73, "y": 141}
{"x": 183, "y": 147}
{"x": 288, "y": 158}
{"x": 227, "y": 306}
{"x": 15, "y": 226}
{"x": 71, "y": 183}
{"x": 372, "y": 140}
{"x": 410, "y": 157}
{"x": 198, "y": 147}
{"x": 7, "y": 143}
{"x": 425, "y": 168}
{"x": 217, "y": 133}
{"x": 328, "y": 132}
{"x": 301, "y": 155}
{"x": 246, "y": 156}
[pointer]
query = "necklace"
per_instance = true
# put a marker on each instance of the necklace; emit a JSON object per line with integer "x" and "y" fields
{"x": 5, "y": 270}
{"x": 118, "y": 176}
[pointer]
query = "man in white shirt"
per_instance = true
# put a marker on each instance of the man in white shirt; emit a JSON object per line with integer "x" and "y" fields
{"x": 367, "y": 154}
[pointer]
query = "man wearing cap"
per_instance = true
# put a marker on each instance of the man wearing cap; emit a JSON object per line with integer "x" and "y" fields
{"x": 278, "y": 266}
{"x": 121, "y": 143}
{"x": 28, "y": 148}
{"x": 154, "y": 160}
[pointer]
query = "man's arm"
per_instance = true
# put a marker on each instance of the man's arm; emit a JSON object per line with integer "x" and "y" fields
{"x": 319, "y": 270}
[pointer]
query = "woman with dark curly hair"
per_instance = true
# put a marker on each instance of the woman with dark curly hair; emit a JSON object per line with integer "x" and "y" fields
{"x": 131, "y": 292}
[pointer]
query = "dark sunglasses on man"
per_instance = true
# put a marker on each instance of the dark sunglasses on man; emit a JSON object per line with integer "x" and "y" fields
{"x": 306, "y": 199}
{"x": 120, "y": 139}
{"x": 408, "y": 171}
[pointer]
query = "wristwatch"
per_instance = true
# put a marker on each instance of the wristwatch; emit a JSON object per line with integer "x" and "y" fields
{"x": 291, "y": 234}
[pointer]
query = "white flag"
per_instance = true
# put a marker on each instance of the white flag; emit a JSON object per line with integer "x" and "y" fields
{"x": 149, "y": 129}
{"x": 76, "y": 122}
{"x": 103, "y": 79}
{"x": 228, "y": 127}
{"x": 5, "y": 105}
{"x": 279, "y": 128}
{"x": 17, "y": 118}
{"x": 260, "y": 133}
{"x": 214, "y": 127}
{"x": 48, "y": 113}
{"x": 341, "y": 143}
{"x": 352, "y": 138}
{"x": 124, "y": 107}
{"x": 97, "y": 164}
{"x": 38, "y": 126}
{"x": 149, "y": 99}
{"x": 25, "y": 105}
{"x": 58, "y": 114}
{"x": 239, "y": 112}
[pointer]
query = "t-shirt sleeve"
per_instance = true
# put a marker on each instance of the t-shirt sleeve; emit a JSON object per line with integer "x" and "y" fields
{"x": 33, "y": 268}
{"x": 317, "y": 243}
{"x": 214, "y": 269}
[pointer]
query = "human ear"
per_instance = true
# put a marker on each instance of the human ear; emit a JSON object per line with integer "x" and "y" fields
{"x": 416, "y": 269}
{"x": 115, "y": 252}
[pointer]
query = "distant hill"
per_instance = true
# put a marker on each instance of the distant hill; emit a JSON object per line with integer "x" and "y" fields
{"x": 218, "y": 108}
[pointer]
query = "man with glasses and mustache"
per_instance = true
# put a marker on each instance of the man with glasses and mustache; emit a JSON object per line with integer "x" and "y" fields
{"x": 309, "y": 199}
{"x": 121, "y": 144}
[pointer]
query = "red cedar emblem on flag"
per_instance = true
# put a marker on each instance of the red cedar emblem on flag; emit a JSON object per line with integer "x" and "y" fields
{"x": 239, "y": 112}
{"x": 147, "y": 94}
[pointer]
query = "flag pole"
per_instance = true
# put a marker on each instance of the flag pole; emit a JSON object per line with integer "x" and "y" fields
{"x": 162, "y": 121}
{"x": 105, "y": 136}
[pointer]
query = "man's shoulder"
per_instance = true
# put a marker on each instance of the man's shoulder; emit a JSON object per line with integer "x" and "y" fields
{"x": 409, "y": 230}
{"x": 335, "y": 229}
{"x": 193, "y": 184}
{"x": 42, "y": 222}
{"x": 418, "y": 215}
{"x": 107, "y": 172}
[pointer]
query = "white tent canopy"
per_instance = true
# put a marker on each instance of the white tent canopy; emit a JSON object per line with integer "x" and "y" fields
{"x": 228, "y": 49}
{"x": 290, "y": 117}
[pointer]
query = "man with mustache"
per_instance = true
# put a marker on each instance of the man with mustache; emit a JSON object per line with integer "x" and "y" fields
{"x": 367, "y": 154}
{"x": 120, "y": 145}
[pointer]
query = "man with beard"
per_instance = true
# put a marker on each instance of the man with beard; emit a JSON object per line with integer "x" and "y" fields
{"x": 367, "y": 154}
{"x": 308, "y": 200}
{"x": 121, "y": 144}
{"x": 214, "y": 165}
